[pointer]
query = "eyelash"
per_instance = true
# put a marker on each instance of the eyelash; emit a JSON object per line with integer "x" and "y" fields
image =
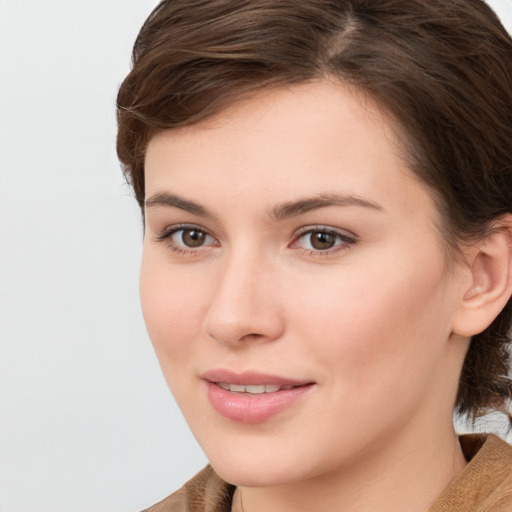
{"x": 167, "y": 234}
{"x": 345, "y": 241}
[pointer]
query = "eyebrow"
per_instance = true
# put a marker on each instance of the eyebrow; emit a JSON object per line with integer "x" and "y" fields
{"x": 166, "y": 199}
{"x": 279, "y": 212}
{"x": 293, "y": 208}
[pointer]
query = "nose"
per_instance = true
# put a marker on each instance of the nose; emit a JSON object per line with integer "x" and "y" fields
{"x": 245, "y": 306}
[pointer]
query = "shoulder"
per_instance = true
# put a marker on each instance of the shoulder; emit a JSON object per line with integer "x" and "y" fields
{"x": 485, "y": 485}
{"x": 205, "y": 492}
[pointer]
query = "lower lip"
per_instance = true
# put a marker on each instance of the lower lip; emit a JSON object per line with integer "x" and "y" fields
{"x": 251, "y": 409}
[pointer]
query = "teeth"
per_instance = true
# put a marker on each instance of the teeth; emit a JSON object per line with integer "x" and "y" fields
{"x": 254, "y": 389}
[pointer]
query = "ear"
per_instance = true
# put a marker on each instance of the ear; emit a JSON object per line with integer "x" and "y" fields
{"x": 490, "y": 280}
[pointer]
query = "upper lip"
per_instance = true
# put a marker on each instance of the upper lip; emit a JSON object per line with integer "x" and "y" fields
{"x": 250, "y": 378}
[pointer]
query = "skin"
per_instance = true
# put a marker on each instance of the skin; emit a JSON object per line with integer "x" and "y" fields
{"x": 371, "y": 321}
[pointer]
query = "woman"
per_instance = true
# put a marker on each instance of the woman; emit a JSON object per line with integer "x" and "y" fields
{"x": 327, "y": 195}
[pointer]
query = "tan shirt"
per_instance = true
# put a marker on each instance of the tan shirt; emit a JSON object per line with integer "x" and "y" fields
{"x": 485, "y": 484}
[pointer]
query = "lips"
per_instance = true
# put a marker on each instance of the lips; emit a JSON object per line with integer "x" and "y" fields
{"x": 250, "y": 378}
{"x": 253, "y": 389}
{"x": 252, "y": 397}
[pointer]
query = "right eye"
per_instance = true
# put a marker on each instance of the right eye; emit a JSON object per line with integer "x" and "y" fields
{"x": 190, "y": 238}
{"x": 187, "y": 239}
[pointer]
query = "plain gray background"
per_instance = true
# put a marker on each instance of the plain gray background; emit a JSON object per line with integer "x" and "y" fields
{"x": 86, "y": 421}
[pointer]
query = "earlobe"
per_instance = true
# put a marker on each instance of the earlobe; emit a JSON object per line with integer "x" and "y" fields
{"x": 490, "y": 286}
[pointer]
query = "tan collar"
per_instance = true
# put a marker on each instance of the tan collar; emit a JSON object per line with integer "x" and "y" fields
{"x": 485, "y": 484}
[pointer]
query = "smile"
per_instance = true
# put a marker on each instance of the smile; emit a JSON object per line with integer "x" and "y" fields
{"x": 254, "y": 389}
{"x": 252, "y": 398}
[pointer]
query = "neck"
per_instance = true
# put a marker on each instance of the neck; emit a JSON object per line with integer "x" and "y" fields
{"x": 404, "y": 475}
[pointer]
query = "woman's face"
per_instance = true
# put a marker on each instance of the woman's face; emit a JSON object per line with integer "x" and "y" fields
{"x": 295, "y": 287}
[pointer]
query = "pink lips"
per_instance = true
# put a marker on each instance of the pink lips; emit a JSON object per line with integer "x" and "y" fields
{"x": 247, "y": 407}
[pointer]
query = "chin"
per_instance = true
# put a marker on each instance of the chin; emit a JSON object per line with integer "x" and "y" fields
{"x": 261, "y": 466}
{"x": 250, "y": 475}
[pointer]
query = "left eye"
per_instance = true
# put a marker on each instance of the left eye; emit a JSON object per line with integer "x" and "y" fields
{"x": 191, "y": 238}
{"x": 322, "y": 240}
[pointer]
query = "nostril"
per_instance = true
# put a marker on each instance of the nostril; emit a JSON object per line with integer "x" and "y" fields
{"x": 251, "y": 336}
{"x": 240, "y": 332}
{"x": 241, "y": 308}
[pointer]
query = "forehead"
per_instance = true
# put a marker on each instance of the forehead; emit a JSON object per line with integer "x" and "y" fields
{"x": 282, "y": 143}
{"x": 313, "y": 100}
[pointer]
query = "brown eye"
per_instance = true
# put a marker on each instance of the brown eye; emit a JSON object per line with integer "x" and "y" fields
{"x": 193, "y": 237}
{"x": 321, "y": 240}
{"x": 189, "y": 238}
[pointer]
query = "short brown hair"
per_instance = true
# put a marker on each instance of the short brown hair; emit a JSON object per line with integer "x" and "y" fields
{"x": 442, "y": 68}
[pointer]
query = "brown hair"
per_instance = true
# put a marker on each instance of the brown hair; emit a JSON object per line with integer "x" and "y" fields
{"x": 442, "y": 68}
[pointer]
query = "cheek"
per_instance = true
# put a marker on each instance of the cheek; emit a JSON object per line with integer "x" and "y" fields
{"x": 373, "y": 325}
{"x": 172, "y": 304}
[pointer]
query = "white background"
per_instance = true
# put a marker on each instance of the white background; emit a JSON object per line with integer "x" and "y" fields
{"x": 86, "y": 421}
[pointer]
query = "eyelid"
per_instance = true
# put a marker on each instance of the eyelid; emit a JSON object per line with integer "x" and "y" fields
{"x": 173, "y": 228}
{"x": 348, "y": 238}
{"x": 165, "y": 235}
{"x": 326, "y": 228}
